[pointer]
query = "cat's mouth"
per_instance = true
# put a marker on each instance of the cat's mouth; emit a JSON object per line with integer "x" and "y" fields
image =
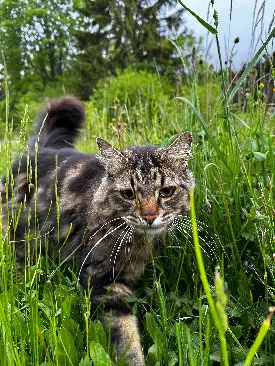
{"x": 155, "y": 226}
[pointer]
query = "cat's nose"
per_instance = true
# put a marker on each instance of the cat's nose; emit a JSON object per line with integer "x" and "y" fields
{"x": 149, "y": 218}
{"x": 149, "y": 209}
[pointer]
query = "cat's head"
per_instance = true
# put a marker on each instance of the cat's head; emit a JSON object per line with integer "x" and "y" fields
{"x": 149, "y": 185}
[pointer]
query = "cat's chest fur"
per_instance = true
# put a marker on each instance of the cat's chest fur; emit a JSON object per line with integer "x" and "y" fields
{"x": 122, "y": 257}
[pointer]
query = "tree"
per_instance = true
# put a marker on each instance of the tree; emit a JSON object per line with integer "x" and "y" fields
{"x": 11, "y": 18}
{"x": 48, "y": 37}
{"x": 131, "y": 32}
{"x": 36, "y": 38}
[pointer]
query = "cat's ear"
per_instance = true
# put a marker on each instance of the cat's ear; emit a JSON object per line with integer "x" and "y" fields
{"x": 114, "y": 160}
{"x": 181, "y": 147}
{"x": 177, "y": 154}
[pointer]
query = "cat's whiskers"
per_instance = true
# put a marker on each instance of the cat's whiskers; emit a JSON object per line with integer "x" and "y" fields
{"x": 127, "y": 233}
{"x": 81, "y": 244}
{"x": 204, "y": 228}
{"x": 122, "y": 218}
{"x": 187, "y": 234}
{"x": 184, "y": 226}
{"x": 116, "y": 245}
{"x": 129, "y": 241}
{"x": 97, "y": 243}
{"x": 171, "y": 232}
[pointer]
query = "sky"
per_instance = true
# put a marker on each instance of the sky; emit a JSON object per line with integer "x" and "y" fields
{"x": 239, "y": 26}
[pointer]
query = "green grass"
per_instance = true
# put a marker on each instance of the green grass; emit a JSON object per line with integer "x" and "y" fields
{"x": 197, "y": 305}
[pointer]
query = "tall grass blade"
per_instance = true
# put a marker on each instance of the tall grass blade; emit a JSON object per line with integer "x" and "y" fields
{"x": 260, "y": 337}
{"x": 199, "y": 19}
{"x": 204, "y": 126}
{"x": 250, "y": 66}
{"x": 206, "y": 286}
{"x": 178, "y": 329}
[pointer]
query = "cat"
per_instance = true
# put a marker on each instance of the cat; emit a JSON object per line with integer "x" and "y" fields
{"x": 108, "y": 212}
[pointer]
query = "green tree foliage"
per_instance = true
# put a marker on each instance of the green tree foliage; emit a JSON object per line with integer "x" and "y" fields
{"x": 36, "y": 38}
{"x": 52, "y": 47}
{"x": 11, "y": 18}
{"x": 118, "y": 33}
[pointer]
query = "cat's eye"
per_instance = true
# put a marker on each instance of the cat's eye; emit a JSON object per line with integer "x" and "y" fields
{"x": 129, "y": 194}
{"x": 166, "y": 192}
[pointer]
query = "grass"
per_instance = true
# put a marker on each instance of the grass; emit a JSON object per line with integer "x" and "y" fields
{"x": 202, "y": 301}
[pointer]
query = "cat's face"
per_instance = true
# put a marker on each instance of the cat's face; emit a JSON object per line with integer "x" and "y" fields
{"x": 150, "y": 186}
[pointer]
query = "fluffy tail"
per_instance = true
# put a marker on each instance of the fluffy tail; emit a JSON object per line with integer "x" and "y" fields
{"x": 60, "y": 123}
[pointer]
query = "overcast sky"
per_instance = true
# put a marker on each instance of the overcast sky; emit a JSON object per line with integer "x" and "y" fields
{"x": 240, "y": 26}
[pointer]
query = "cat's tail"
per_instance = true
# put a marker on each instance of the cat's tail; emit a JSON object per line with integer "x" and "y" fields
{"x": 60, "y": 123}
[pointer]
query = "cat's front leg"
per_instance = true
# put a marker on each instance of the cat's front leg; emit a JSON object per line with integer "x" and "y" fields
{"x": 125, "y": 336}
{"x": 121, "y": 324}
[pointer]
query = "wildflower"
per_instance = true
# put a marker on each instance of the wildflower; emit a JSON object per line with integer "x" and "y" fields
{"x": 237, "y": 40}
{"x": 249, "y": 266}
{"x": 261, "y": 84}
{"x": 273, "y": 90}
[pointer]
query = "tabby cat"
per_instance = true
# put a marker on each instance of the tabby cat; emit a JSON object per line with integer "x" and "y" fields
{"x": 109, "y": 211}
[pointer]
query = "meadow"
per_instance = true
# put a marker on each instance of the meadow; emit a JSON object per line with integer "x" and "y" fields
{"x": 207, "y": 298}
